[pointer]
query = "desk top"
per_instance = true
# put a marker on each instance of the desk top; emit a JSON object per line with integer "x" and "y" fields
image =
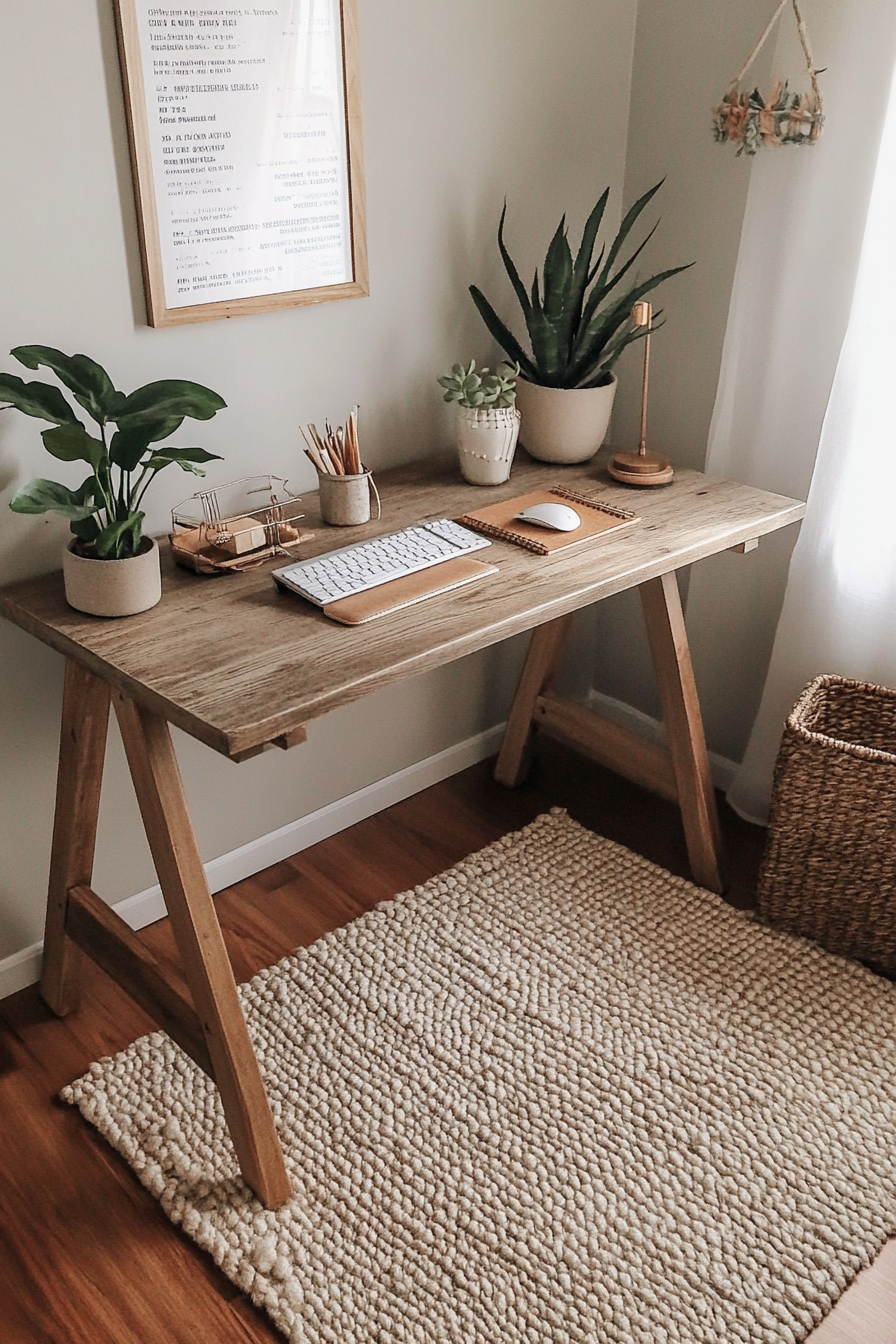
{"x": 236, "y": 663}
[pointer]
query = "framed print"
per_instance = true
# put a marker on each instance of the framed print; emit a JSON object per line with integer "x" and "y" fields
{"x": 245, "y": 134}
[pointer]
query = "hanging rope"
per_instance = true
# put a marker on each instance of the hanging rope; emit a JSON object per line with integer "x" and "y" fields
{"x": 783, "y": 118}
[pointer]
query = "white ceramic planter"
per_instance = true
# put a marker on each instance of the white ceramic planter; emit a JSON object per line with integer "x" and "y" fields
{"x": 486, "y": 442}
{"x": 113, "y": 587}
{"x": 562, "y": 424}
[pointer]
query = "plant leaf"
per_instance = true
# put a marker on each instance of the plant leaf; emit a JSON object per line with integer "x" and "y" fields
{"x": 505, "y": 338}
{"x": 86, "y": 529}
{"x": 557, "y": 274}
{"x": 42, "y": 496}
{"x": 510, "y": 267}
{"x": 41, "y": 400}
{"x": 130, "y": 443}
{"x": 121, "y": 538}
{"x": 167, "y": 398}
{"x": 72, "y": 443}
{"x": 186, "y": 458}
{"x": 625, "y": 229}
{"x": 90, "y": 382}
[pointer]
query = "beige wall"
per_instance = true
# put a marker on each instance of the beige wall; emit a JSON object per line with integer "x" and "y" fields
{"x": 461, "y": 104}
{"x": 685, "y": 56}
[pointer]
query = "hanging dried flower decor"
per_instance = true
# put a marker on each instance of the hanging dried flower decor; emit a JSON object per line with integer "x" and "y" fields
{"x": 784, "y": 117}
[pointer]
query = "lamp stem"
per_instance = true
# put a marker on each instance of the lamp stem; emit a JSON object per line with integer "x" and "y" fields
{"x": 645, "y": 387}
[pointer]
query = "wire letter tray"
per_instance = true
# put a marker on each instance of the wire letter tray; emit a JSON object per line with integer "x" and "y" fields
{"x": 236, "y": 526}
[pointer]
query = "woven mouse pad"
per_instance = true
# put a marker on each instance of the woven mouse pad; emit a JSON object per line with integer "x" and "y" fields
{"x": 554, "y": 1094}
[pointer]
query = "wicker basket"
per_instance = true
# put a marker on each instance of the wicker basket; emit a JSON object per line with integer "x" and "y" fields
{"x": 829, "y": 870}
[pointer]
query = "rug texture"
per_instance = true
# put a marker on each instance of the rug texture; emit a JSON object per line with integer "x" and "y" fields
{"x": 554, "y": 1094}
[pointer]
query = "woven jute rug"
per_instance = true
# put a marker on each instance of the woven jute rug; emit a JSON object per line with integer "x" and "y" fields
{"x": 554, "y": 1094}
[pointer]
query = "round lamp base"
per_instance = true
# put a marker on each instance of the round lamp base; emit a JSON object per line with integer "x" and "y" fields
{"x": 641, "y": 469}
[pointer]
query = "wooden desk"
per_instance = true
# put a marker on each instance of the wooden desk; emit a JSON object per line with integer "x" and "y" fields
{"x": 242, "y": 667}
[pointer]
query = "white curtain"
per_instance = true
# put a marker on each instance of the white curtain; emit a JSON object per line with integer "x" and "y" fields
{"x": 816, "y": 258}
{"x": 839, "y": 610}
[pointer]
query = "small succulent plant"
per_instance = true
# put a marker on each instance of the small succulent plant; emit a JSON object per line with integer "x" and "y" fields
{"x": 483, "y": 390}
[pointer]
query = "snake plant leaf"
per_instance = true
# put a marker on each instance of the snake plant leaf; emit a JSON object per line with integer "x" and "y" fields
{"x": 41, "y": 400}
{"x": 625, "y": 229}
{"x": 502, "y": 334}
{"x": 186, "y": 458}
{"x": 121, "y": 538}
{"x": 72, "y": 443}
{"x": 130, "y": 443}
{"x": 581, "y": 276}
{"x": 168, "y": 398}
{"x": 42, "y": 496}
{"x": 604, "y": 324}
{"x": 557, "y": 275}
{"x": 82, "y": 375}
{"x": 600, "y": 293}
{"x": 510, "y": 267}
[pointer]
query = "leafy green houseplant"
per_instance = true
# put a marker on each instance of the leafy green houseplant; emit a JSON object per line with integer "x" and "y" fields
{"x": 124, "y": 455}
{"x": 577, "y": 315}
{"x": 488, "y": 423}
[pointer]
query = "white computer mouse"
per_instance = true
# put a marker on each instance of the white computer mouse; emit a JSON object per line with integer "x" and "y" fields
{"x": 555, "y": 517}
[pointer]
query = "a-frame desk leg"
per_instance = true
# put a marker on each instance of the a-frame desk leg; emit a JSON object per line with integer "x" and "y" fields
{"x": 539, "y": 671}
{"x": 680, "y": 772}
{"x": 671, "y": 654}
{"x": 82, "y": 751}
{"x": 160, "y": 794}
{"x": 209, "y": 976}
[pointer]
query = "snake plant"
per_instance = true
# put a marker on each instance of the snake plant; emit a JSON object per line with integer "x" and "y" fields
{"x": 578, "y": 314}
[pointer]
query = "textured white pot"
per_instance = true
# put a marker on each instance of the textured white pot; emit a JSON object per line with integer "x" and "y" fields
{"x": 562, "y": 424}
{"x": 113, "y": 587}
{"x": 486, "y": 442}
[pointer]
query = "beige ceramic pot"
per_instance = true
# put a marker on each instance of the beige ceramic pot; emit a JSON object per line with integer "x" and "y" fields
{"x": 486, "y": 442}
{"x": 562, "y": 424}
{"x": 113, "y": 587}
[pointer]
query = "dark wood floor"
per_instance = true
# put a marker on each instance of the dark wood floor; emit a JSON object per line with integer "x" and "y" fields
{"x": 86, "y": 1256}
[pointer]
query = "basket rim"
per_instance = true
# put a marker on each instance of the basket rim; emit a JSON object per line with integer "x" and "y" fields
{"x": 808, "y": 698}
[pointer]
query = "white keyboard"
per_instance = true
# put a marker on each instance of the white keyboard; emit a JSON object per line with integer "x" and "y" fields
{"x": 367, "y": 564}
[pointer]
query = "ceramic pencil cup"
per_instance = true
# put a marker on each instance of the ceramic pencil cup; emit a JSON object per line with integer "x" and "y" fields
{"x": 345, "y": 500}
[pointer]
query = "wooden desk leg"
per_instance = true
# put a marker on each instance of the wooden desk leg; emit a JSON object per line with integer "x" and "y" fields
{"x": 681, "y": 712}
{"x": 539, "y": 671}
{"x": 82, "y": 749}
{"x": 206, "y": 965}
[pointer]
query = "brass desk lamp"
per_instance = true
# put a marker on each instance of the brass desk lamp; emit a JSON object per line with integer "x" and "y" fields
{"x": 642, "y": 468}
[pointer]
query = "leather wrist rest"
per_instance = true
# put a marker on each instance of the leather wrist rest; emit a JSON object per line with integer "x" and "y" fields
{"x": 404, "y": 592}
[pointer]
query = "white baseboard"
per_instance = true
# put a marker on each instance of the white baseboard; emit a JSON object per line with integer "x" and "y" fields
{"x": 23, "y": 968}
{"x": 723, "y": 770}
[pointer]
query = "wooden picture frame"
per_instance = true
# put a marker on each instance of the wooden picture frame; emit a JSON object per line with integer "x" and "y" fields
{"x": 206, "y": 121}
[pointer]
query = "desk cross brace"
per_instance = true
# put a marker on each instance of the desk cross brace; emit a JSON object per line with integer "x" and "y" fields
{"x": 679, "y": 772}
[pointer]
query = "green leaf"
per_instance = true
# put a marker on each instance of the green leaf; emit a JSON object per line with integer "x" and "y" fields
{"x": 86, "y": 529}
{"x": 90, "y": 382}
{"x": 120, "y": 539}
{"x": 45, "y": 496}
{"x": 505, "y": 338}
{"x": 625, "y": 229}
{"x": 184, "y": 457}
{"x": 167, "y": 398}
{"x": 557, "y": 274}
{"x": 510, "y": 267}
{"x": 41, "y": 400}
{"x": 130, "y": 443}
{"x": 582, "y": 274}
{"x": 72, "y": 443}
